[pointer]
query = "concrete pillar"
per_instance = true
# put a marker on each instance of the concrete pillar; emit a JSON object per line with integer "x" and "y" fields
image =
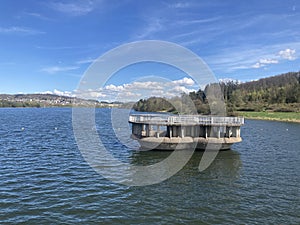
{"x": 205, "y": 132}
{"x": 135, "y": 129}
{"x": 182, "y": 131}
{"x": 157, "y": 131}
{"x": 147, "y": 130}
{"x": 201, "y": 131}
{"x": 174, "y": 130}
{"x": 218, "y": 132}
{"x": 198, "y": 132}
{"x": 236, "y": 132}
{"x": 228, "y": 132}
{"x": 190, "y": 130}
{"x": 140, "y": 129}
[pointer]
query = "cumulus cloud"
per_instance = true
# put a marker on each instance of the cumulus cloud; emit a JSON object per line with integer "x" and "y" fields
{"x": 64, "y": 93}
{"x": 146, "y": 85}
{"x": 184, "y": 81}
{"x": 264, "y": 62}
{"x": 138, "y": 89}
{"x": 112, "y": 87}
{"x": 89, "y": 94}
{"x": 288, "y": 54}
{"x": 268, "y": 61}
{"x": 182, "y": 89}
{"x": 58, "y": 92}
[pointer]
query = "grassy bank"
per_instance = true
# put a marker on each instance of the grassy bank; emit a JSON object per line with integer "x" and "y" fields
{"x": 277, "y": 116}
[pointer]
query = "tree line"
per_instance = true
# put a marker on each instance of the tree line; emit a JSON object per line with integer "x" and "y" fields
{"x": 276, "y": 93}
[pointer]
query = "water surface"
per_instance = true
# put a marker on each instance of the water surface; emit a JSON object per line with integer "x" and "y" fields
{"x": 45, "y": 180}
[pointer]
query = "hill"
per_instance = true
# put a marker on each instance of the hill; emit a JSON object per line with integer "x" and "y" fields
{"x": 48, "y": 100}
{"x": 279, "y": 93}
{"x": 276, "y": 93}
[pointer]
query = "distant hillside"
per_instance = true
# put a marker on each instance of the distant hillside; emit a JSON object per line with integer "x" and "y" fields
{"x": 276, "y": 93}
{"x": 48, "y": 100}
{"x": 283, "y": 80}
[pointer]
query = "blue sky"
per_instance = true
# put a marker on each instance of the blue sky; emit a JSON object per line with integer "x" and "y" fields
{"x": 47, "y": 45}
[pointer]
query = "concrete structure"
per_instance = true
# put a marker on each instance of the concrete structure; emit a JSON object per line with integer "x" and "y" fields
{"x": 169, "y": 132}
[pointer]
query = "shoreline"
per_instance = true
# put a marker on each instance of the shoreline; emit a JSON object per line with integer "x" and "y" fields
{"x": 293, "y": 117}
{"x": 273, "y": 119}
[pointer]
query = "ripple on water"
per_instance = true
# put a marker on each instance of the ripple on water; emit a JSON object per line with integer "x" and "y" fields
{"x": 44, "y": 178}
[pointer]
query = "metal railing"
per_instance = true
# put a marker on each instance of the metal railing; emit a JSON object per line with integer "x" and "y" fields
{"x": 164, "y": 119}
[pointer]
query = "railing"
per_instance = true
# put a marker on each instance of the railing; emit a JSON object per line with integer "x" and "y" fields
{"x": 164, "y": 119}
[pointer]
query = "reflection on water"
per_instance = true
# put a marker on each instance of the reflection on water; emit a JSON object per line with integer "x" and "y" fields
{"x": 225, "y": 166}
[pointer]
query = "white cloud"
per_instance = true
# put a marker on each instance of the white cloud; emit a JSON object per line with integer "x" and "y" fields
{"x": 20, "y": 30}
{"x": 195, "y": 22}
{"x": 86, "y": 61}
{"x": 257, "y": 65}
{"x": 129, "y": 94}
{"x": 57, "y": 92}
{"x": 288, "y": 54}
{"x": 136, "y": 90}
{"x": 36, "y": 15}
{"x": 146, "y": 85}
{"x": 264, "y": 62}
{"x": 112, "y": 87}
{"x": 89, "y": 94}
{"x": 184, "y": 81}
{"x": 182, "y": 89}
{"x": 96, "y": 95}
{"x": 74, "y": 8}
{"x": 153, "y": 26}
{"x": 63, "y": 93}
{"x": 45, "y": 92}
{"x": 229, "y": 80}
{"x": 57, "y": 69}
{"x": 268, "y": 61}
{"x": 158, "y": 92}
{"x": 179, "y": 5}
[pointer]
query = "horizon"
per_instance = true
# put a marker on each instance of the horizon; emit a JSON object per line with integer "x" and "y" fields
{"x": 184, "y": 81}
{"x": 47, "y": 46}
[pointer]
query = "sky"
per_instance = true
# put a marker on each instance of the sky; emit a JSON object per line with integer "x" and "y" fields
{"x": 46, "y": 46}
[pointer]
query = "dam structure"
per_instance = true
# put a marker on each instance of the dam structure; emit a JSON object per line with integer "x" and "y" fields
{"x": 170, "y": 132}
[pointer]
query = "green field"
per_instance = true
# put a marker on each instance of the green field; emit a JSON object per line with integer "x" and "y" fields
{"x": 279, "y": 116}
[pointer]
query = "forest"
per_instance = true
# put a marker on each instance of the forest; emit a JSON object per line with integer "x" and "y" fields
{"x": 279, "y": 93}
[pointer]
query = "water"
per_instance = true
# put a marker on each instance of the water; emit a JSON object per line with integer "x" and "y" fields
{"x": 45, "y": 180}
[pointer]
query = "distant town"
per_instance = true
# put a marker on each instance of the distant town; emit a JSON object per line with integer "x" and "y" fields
{"x": 50, "y": 100}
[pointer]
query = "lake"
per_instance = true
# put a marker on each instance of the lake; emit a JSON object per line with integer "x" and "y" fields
{"x": 45, "y": 180}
